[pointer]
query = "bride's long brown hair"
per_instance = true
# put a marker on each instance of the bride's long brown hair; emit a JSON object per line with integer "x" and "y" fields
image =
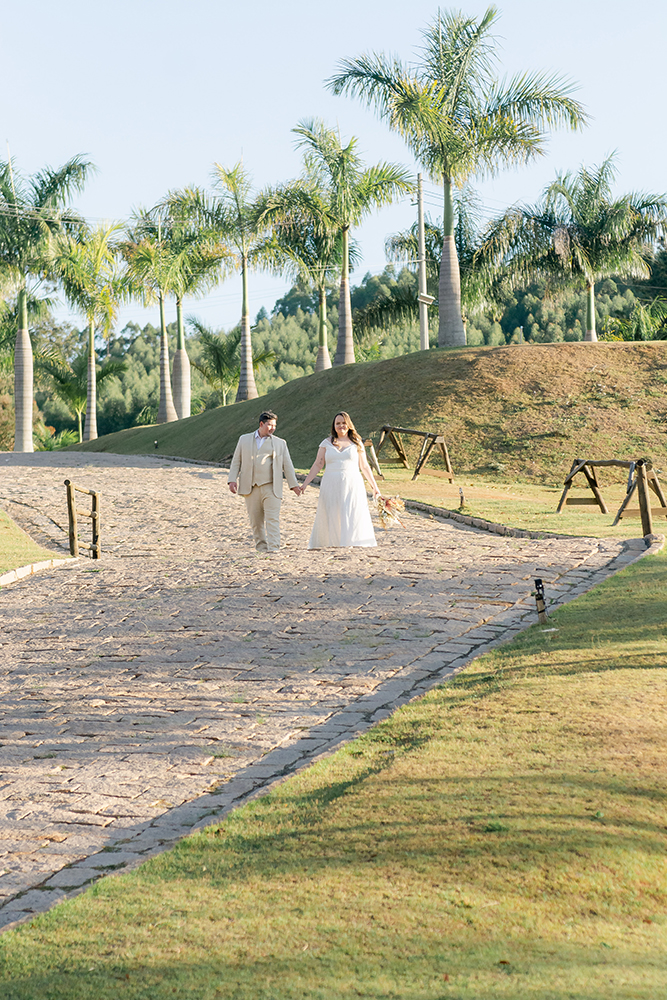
{"x": 352, "y": 432}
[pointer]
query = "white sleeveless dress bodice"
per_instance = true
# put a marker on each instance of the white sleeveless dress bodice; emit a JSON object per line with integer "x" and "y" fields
{"x": 343, "y": 517}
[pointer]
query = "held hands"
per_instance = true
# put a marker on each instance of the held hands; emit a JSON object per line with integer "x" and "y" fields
{"x": 232, "y": 487}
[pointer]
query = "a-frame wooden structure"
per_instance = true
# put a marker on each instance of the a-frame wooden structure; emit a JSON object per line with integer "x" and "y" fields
{"x": 430, "y": 440}
{"x": 587, "y": 467}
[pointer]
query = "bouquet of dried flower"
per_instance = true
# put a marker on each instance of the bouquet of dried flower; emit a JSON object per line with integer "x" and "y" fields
{"x": 388, "y": 510}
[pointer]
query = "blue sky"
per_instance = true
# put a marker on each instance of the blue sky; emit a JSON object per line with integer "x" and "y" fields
{"x": 155, "y": 92}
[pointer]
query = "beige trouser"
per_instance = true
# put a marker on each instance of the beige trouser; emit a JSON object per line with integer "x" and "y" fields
{"x": 263, "y": 508}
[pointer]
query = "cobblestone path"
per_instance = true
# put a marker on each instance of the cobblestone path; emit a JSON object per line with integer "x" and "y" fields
{"x": 157, "y": 687}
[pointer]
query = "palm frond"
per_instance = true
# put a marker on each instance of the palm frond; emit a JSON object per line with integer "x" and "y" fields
{"x": 349, "y": 190}
{"x": 460, "y": 53}
{"x": 399, "y": 307}
{"x": 53, "y": 188}
{"x": 541, "y": 99}
{"x": 458, "y": 119}
{"x": 579, "y": 232}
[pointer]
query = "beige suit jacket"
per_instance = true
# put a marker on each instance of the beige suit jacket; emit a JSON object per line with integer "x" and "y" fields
{"x": 240, "y": 471}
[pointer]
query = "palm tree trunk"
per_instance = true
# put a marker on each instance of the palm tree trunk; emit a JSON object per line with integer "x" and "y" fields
{"x": 182, "y": 393}
{"x": 23, "y": 381}
{"x": 247, "y": 388}
{"x": 323, "y": 360}
{"x": 345, "y": 346}
{"x": 90, "y": 427}
{"x": 166, "y": 410}
{"x": 451, "y": 332}
{"x": 78, "y": 420}
{"x": 590, "y": 335}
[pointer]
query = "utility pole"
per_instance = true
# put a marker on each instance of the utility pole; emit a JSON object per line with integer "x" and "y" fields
{"x": 424, "y": 298}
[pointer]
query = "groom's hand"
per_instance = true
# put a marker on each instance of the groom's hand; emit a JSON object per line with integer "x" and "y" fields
{"x": 232, "y": 487}
{"x": 297, "y": 490}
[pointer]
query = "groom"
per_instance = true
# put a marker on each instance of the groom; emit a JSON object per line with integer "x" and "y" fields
{"x": 256, "y": 473}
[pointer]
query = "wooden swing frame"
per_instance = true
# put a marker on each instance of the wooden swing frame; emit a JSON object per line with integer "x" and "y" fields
{"x": 430, "y": 440}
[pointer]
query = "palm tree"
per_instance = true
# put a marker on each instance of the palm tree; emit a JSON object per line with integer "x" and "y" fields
{"x": 647, "y": 321}
{"x": 578, "y": 233}
{"x": 350, "y": 193}
{"x": 32, "y": 211}
{"x": 87, "y": 265}
{"x": 302, "y": 225}
{"x": 71, "y": 382}
{"x": 459, "y": 120}
{"x": 198, "y": 261}
{"x": 231, "y": 216}
{"x": 152, "y": 274}
{"x": 220, "y": 364}
{"x": 37, "y": 308}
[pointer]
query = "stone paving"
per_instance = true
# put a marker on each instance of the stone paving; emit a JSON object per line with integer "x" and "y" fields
{"x": 149, "y": 691}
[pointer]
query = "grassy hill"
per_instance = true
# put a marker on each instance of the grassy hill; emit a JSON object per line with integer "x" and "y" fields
{"x": 512, "y": 413}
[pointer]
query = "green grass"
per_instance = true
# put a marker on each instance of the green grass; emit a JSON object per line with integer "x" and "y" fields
{"x": 16, "y": 548}
{"x": 508, "y": 413}
{"x": 502, "y": 838}
{"x": 528, "y": 506}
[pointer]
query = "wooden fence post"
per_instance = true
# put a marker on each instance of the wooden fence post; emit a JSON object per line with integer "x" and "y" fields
{"x": 644, "y": 498}
{"x": 429, "y": 440}
{"x": 595, "y": 486}
{"x": 71, "y": 510}
{"x": 96, "y": 548}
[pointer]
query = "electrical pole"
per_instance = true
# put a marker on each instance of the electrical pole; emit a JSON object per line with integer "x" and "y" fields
{"x": 424, "y": 298}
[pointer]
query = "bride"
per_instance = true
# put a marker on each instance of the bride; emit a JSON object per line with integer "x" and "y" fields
{"x": 343, "y": 517}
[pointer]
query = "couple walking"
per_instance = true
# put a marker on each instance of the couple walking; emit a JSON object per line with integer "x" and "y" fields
{"x": 343, "y": 518}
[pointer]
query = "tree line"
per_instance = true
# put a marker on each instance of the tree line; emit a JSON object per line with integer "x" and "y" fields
{"x": 460, "y": 121}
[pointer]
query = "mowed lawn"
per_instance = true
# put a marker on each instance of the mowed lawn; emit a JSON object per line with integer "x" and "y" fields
{"x": 520, "y": 505}
{"x": 502, "y": 838}
{"x": 18, "y": 549}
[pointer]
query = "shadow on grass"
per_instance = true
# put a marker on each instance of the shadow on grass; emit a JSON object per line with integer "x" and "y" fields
{"x": 499, "y": 675}
{"x": 444, "y": 821}
{"x": 255, "y": 908}
{"x": 446, "y": 974}
{"x": 251, "y": 909}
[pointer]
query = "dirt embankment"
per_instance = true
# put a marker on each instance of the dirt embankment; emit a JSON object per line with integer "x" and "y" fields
{"x": 518, "y": 412}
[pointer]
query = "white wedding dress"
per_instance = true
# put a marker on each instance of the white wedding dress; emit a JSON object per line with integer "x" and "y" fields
{"x": 343, "y": 517}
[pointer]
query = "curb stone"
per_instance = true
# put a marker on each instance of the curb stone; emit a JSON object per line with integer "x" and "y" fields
{"x": 483, "y": 525}
{"x": 19, "y": 574}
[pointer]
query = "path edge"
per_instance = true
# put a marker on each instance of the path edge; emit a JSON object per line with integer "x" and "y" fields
{"x": 14, "y": 575}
